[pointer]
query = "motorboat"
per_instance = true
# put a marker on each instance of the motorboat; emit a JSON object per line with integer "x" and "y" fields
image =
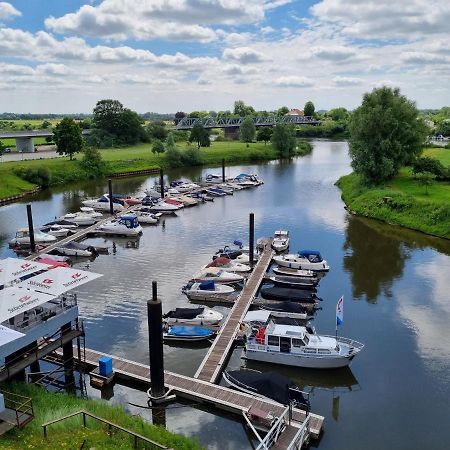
{"x": 186, "y": 200}
{"x": 132, "y": 201}
{"x": 53, "y": 263}
{"x": 299, "y": 346}
{"x": 174, "y": 201}
{"x": 236, "y": 255}
{"x": 262, "y": 316}
{"x": 218, "y": 275}
{"x": 183, "y": 187}
{"x": 230, "y": 184}
{"x": 76, "y": 249}
{"x": 80, "y": 218}
{"x": 284, "y": 307}
{"x": 91, "y": 212}
{"x": 193, "y": 316}
{"x": 163, "y": 207}
{"x": 60, "y": 224}
{"x": 187, "y": 333}
{"x": 125, "y": 225}
{"x": 58, "y": 258}
{"x": 207, "y": 290}
{"x": 288, "y": 294}
{"x": 220, "y": 192}
{"x": 249, "y": 180}
{"x": 229, "y": 265}
{"x": 225, "y": 188}
{"x": 213, "y": 178}
{"x": 58, "y": 231}
{"x": 147, "y": 217}
{"x": 294, "y": 282}
{"x": 271, "y": 385}
{"x": 102, "y": 203}
{"x": 23, "y": 237}
{"x": 286, "y": 271}
{"x": 214, "y": 192}
{"x": 280, "y": 241}
{"x": 305, "y": 260}
{"x": 201, "y": 196}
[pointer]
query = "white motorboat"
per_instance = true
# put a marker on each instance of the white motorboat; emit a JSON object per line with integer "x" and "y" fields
{"x": 102, "y": 203}
{"x": 23, "y": 237}
{"x": 90, "y": 211}
{"x": 213, "y": 178}
{"x": 76, "y": 249}
{"x": 229, "y": 265}
{"x": 286, "y": 271}
{"x": 126, "y": 225}
{"x": 238, "y": 256}
{"x": 164, "y": 207}
{"x": 80, "y": 218}
{"x": 187, "y": 201}
{"x": 207, "y": 290}
{"x": 304, "y": 260}
{"x": 186, "y": 187}
{"x": 58, "y": 231}
{"x": 193, "y": 316}
{"x": 298, "y": 346}
{"x": 218, "y": 275}
{"x": 147, "y": 217}
{"x": 280, "y": 241}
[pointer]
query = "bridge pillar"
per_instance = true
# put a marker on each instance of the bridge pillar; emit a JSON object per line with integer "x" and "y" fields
{"x": 24, "y": 144}
{"x": 232, "y": 133}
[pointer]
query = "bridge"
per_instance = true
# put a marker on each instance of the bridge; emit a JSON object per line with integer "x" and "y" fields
{"x": 235, "y": 122}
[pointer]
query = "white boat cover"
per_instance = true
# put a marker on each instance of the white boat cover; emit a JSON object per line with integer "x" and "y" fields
{"x": 13, "y": 268}
{"x": 261, "y": 315}
{"x": 8, "y": 335}
{"x": 59, "y": 280}
{"x": 15, "y": 300}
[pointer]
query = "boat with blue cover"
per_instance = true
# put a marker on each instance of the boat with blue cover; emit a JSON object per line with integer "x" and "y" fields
{"x": 188, "y": 333}
{"x": 125, "y": 225}
{"x": 305, "y": 260}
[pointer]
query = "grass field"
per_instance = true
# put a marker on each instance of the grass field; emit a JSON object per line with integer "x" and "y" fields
{"x": 403, "y": 201}
{"x": 70, "y": 434}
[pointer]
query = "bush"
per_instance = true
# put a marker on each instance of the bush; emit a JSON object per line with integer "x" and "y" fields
{"x": 191, "y": 157}
{"x": 92, "y": 163}
{"x": 40, "y": 176}
{"x": 430, "y": 165}
{"x": 173, "y": 157}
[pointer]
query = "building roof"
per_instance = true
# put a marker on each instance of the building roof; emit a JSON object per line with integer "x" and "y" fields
{"x": 295, "y": 112}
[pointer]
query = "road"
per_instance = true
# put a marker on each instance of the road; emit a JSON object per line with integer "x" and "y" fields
{"x": 40, "y": 154}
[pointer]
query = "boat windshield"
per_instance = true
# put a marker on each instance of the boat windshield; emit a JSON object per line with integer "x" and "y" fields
{"x": 306, "y": 339}
{"x": 130, "y": 222}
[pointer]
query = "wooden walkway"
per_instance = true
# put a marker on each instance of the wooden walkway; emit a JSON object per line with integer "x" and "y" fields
{"x": 191, "y": 388}
{"x": 211, "y": 367}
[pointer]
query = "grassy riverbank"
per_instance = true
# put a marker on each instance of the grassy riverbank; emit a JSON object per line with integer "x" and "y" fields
{"x": 71, "y": 434}
{"x": 403, "y": 201}
{"x": 128, "y": 159}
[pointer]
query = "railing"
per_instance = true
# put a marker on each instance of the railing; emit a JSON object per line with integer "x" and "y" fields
{"x": 301, "y": 436}
{"x": 136, "y": 437}
{"x": 352, "y": 343}
{"x": 23, "y": 406}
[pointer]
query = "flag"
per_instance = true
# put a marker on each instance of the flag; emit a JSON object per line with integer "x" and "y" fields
{"x": 340, "y": 311}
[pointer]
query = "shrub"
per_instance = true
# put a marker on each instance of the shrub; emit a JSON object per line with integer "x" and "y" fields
{"x": 191, "y": 157}
{"x": 40, "y": 176}
{"x": 92, "y": 163}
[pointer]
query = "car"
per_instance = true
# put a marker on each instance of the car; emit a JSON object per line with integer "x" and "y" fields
{"x": 7, "y": 150}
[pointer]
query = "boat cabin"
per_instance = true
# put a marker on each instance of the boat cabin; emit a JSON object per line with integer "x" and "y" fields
{"x": 313, "y": 256}
{"x": 129, "y": 220}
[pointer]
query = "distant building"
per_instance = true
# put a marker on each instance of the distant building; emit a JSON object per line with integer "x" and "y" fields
{"x": 295, "y": 112}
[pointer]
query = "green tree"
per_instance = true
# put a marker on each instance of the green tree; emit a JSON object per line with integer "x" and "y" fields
{"x": 2, "y": 149}
{"x": 46, "y": 124}
{"x": 247, "y": 130}
{"x": 157, "y": 130}
{"x": 158, "y": 147}
{"x": 200, "y": 135}
{"x": 172, "y": 155}
{"x": 107, "y": 115}
{"x": 425, "y": 179}
{"x": 92, "y": 162}
{"x": 264, "y": 134}
{"x": 385, "y": 134}
{"x": 67, "y": 137}
{"x": 282, "y": 111}
{"x": 242, "y": 110}
{"x": 338, "y": 114}
{"x": 283, "y": 139}
{"x": 443, "y": 128}
{"x": 309, "y": 109}
{"x": 129, "y": 130}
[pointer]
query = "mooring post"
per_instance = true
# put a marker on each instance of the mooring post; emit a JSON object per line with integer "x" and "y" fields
{"x": 223, "y": 170}
{"x": 111, "y": 205}
{"x": 155, "y": 343}
{"x": 67, "y": 348}
{"x": 251, "y": 240}
{"x": 31, "y": 228}
{"x": 161, "y": 182}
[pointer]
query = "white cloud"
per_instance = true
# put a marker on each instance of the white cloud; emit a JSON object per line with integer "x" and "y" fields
{"x": 244, "y": 55}
{"x": 334, "y": 52}
{"x": 294, "y": 81}
{"x": 346, "y": 81}
{"x": 7, "y": 11}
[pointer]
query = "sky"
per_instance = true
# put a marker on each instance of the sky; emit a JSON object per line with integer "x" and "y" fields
{"x": 61, "y": 56}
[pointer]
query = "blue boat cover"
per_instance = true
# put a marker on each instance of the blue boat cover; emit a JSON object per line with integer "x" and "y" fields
{"x": 307, "y": 253}
{"x": 187, "y": 330}
{"x": 207, "y": 285}
{"x": 238, "y": 243}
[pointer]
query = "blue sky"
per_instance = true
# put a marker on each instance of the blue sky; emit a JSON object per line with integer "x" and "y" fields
{"x": 170, "y": 55}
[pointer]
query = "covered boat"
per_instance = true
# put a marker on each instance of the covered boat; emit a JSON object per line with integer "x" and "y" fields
{"x": 294, "y": 282}
{"x": 283, "y": 307}
{"x": 60, "y": 224}
{"x": 207, "y": 290}
{"x": 286, "y": 271}
{"x": 80, "y": 218}
{"x": 58, "y": 231}
{"x": 218, "y": 275}
{"x": 305, "y": 259}
{"x": 147, "y": 217}
{"x": 187, "y": 333}
{"x": 193, "y": 316}
{"x": 288, "y": 294}
{"x": 229, "y": 265}
{"x": 280, "y": 241}
{"x": 102, "y": 203}
{"x": 126, "y": 225}
{"x": 271, "y": 385}
{"x": 76, "y": 249}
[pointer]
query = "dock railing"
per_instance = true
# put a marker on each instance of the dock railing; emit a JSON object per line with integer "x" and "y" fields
{"x": 21, "y": 405}
{"x": 301, "y": 436}
{"x": 136, "y": 437}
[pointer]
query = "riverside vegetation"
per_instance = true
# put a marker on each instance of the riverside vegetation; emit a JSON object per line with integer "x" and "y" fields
{"x": 70, "y": 433}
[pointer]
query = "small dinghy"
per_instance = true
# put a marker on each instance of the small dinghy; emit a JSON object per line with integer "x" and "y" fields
{"x": 187, "y": 333}
{"x": 286, "y": 271}
{"x": 218, "y": 275}
{"x": 207, "y": 290}
{"x": 305, "y": 259}
{"x": 271, "y": 385}
{"x": 193, "y": 316}
{"x": 76, "y": 249}
{"x": 286, "y": 294}
{"x": 229, "y": 265}
{"x": 294, "y": 282}
{"x": 280, "y": 241}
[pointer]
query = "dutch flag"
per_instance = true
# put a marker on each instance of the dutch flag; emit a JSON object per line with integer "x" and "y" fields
{"x": 340, "y": 311}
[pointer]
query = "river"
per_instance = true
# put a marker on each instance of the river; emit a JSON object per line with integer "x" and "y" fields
{"x": 395, "y": 284}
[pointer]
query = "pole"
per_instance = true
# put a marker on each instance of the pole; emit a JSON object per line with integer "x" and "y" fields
{"x": 251, "y": 240}
{"x": 161, "y": 182}
{"x": 155, "y": 343}
{"x": 223, "y": 170}
{"x": 31, "y": 228}
{"x": 111, "y": 205}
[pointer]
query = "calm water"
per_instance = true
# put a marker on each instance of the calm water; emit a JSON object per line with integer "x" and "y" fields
{"x": 395, "y": 284}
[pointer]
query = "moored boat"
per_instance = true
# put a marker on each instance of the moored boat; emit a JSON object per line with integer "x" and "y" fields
{"x": 193, "y": 316}
{"x": 280, "y": 241}
{"x": 187, "y": 333}
{"x": 58, "y": 231}
{"x": 288, "y": 294}
{"x": 229, "y": 265}
{"x": 218, "y": 275}
{"x": 125, "y": 225}
{"x": 76, "y": 249}
{"x": 80, "y": 218}
{"x": 102, "y": 203}
{"x": 207, "y": 290}
{"x": 22, "y": 237}
{"x": 294, "y": 282}
{"x": 286, "y": 271}
{"x": 305, "y": 260}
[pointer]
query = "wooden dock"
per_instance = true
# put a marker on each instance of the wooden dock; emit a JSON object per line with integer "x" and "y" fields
{"x": 212, "y": 365}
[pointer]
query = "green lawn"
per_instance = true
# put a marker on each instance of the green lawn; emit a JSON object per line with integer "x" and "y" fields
{"x": 11, "y": 143}
{"x": 70, "y": 434}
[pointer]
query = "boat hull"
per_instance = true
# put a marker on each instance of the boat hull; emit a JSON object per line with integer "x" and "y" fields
{"x": 303, "y": 265}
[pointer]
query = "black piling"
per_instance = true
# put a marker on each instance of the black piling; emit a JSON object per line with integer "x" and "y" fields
{"x": 110, "y": 191}
{"x": 68, "y": 362}
{"x": 155, "y": 343}
{"x": 161, "y": 182}
{"x": 31, "y": 228}
{"x": 223, "y": 170}
{"x": 251, "y": 239}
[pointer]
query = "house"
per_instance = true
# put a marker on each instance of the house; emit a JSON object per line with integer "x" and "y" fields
{"x": 295, "y": 112}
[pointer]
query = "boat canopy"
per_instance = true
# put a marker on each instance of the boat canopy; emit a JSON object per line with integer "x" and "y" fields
{"x": 130, "y": 220}
{"x": 184, "y": 313}
{"x": 207, "y": 285}
{"x": 13, "y": 268}
{"x": 257, "y": 316}
{"x": 312, "y": 255}
{"x": 220, "y": 261}
{"x": 238, "y": 243}
{"x": 188, "y": 330}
